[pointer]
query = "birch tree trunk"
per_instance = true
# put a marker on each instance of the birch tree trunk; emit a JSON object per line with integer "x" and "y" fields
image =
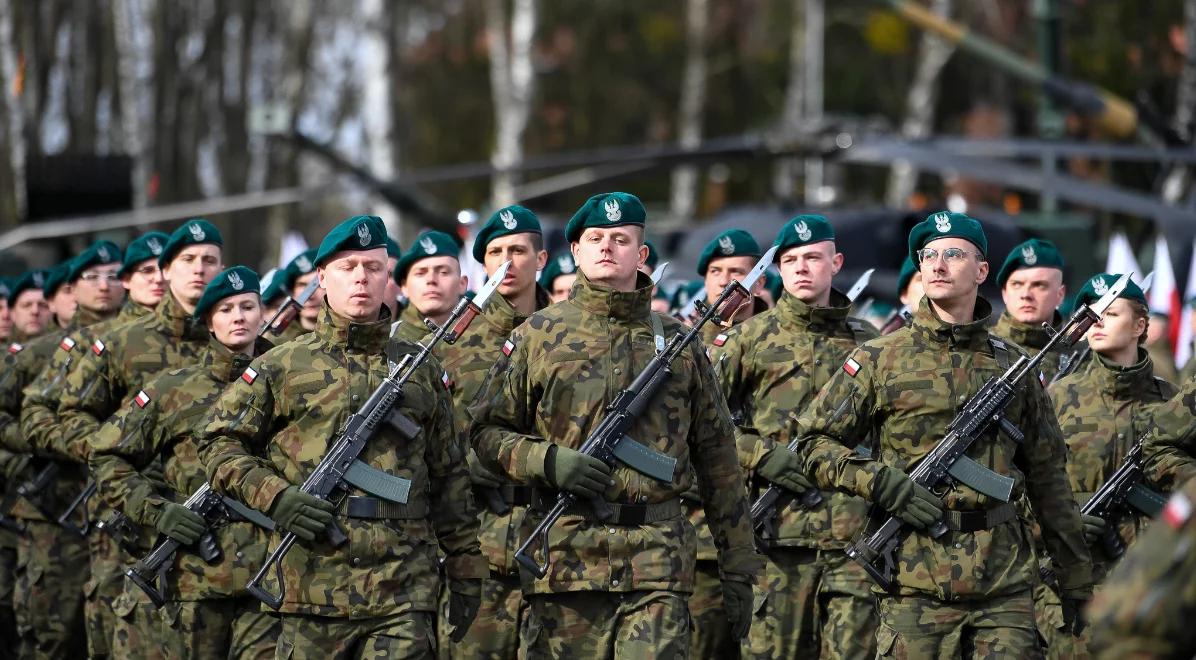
{"x": 512, "y": 79}
{"x": 1185, "y": 105}
{"x": 786, "y": 169}
{"x": 684, "y": 195}
{"x": 12, "y": 129}
{"x": 133, "y": 45}
{"x": 377, "y": 105}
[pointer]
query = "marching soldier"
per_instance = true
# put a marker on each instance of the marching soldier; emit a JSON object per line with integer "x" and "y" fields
{"x": 816, "y": 601}
{"x": 1169, "y": 451}
{"x": 511, "y": 234}
{"x": 617, "y": 587}
{"x": 558, "y": 276}
{"x": 59, "y": 295}
{"x": 730, "y": 256}
{"x": 375, "y": 595}
{"x": 393, "y": 292}
{"x": 295, "y": 278}
{"x": 1031, "y": 281}
{"x": 208, "y": 614}
{"x": 430, "y": 276}
{"x": 30, "y": 313}
{"x": 969, "y": 591}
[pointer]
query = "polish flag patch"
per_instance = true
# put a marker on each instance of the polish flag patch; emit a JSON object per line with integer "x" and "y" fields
{"x": 851, "y": 367}
{"x": 67, "y": 344}
{"x": 720, "y": 340}
{"x": 142, "y": 399}
{"x": 446, "y": 381}
{"x": 249, "y": 375}
{"x": 1177, "y": 511}
{"x": 15, "y": 348}
{"x": 507, "y": 347}
{"x": 98, "y": 347}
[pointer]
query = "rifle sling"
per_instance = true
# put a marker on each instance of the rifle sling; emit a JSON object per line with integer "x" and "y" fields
{"x": 247, "y": 514}
{"x": 974, "y": 521}
{"x": 372, "y": 508}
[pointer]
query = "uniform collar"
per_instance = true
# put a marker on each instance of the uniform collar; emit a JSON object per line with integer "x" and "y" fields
{"x": 969, "y": 335}
{"x": 368, "y": 337}
{"x": 177, "y": 321}
{"x": 500, "y": 314}
{"x": 1124, "y": 382}
{"x": 85, "y": 317}
{"x": 132, "y": 310}
{"x": 1026, "y": 335}
{"x": 226, "y": 366}
{"x": 602, "y": 300}
{"x": 411, "y": 316}
{"x": 802, "y": 314}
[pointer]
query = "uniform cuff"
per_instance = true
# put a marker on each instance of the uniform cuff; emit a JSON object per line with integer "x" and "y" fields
{"x": 263, "y": 490}
{"x": 467, "y": 567}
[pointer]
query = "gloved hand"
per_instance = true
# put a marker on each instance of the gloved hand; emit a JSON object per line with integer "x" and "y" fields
{"x": 737, "y": 603}
{"x": 180, "y": 523}
{"x": 1073, "y": 616}
{"x": 305, "y": 515}
{"x": 782, "y": 467}
{"x": 897, "y": 493}
{"x": 479, "y": 475}
{"x": 465, "y": 598}
{"x": 577, "y": 473}
{"x": 1094, "y": 528}
{"x": 154, "y": 472}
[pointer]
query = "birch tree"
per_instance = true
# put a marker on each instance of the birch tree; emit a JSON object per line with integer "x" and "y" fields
{"x": 512, "y": 83}
{"x": 684, "y": 196}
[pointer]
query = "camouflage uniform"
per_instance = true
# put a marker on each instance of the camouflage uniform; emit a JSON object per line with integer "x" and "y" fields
{"x": 495, "y": 631}
{"x": 612, "y": 589}
{"x": 268, "y": 431}
{"x": 410, "y": 326}
{"x": 812, "y": 599}
{"x": 206, "y": 602}
{"x": 1169, "y": 454}
{"x": 968, "y": 587}
{"x": 8, "y": 559}
{"x": 1031, "y": 337}
{"x": 292, "y": 332}
{"x": 1144, "y": 608}
{"x": 1163, "y": 360}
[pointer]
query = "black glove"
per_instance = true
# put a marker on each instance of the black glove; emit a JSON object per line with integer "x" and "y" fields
{"x": 782, "y": 467}
{"x": 737, "y": 603}
{"x": 573, "y": 471}
{"x": 1094, "y": 528}
{"x": 893, "y": 490}
{"x": 479, "y": 475}
{"x": 1073, "y": 615}
{"x": 465, "y": 599}
{"x": 180, "y": 523}
{"x": 304, "y": 515}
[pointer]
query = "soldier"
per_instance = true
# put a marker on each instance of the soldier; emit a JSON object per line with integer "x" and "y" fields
{"x": 558, "y": 276}
{"x": 816, "y": 601}
{"x": 59, "y": 295}
{"x": 30, "y": 313}
{"x": 295, "y": 278}
{"x": 968, "y": 592}
{"x": 1031, "y": 281}
{"x": 374, "y": 596}
{"x": 1169, "y": 452}
{"x": 5, "y": 313}
{"x": 272, "y": 294}
{"x": 391, "y": 297}
{"x": 430, "y": 276}
{"x": 615, "y": 588}
{"x": 8, "y": 539}
{"x": 909, "y": 294}
{"x": 730, "y": 256}
{"x": 140, "y": 275}
{"x": 208, "y": 614}
{"x": 511, "y": 234}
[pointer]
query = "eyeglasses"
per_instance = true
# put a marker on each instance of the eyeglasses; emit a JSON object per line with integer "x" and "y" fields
{"x": 147, "y": 271}
{"x": 96, "y": 277}
{"x": 951, "y": 255}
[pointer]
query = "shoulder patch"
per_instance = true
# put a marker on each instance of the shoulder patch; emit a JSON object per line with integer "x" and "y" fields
{"x": 142, "y": 399}
{"x": 507, "y": 347}
{"x": 720, "y": 339}
{"x": 67, "y": 344}
{"x": 249, "y": 375}
{"x": 15, "y": 348}
{"x": 446, "y": 381}
{"x": 1177, "y": 511}
{"x": 98, "y": 347}
{"x": 851, "y": 367}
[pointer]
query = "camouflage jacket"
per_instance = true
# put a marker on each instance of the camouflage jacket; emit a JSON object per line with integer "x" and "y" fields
{"x": 554, "y": 377}
{"x": 410, "y": 326}
{"x": 1031, "y": 338}
{"x": 1102, "y": 412}
{"x": 160, "y": 423}
{"x": 774, "y": 366}
{"x": 118, "y": 362}
{"x": 1164, "y": 360}
{"x": 294, "y": 331}
{"x": 467, "y": 362}
{"x": 1169, "y": 453}
{"x": 269, "y": 430}
{"x": 904, "y": 389}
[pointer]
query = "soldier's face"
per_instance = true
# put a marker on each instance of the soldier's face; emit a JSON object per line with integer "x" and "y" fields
{"x": 913, "y": 291}
{"x": 948, "y": 281}
{"x": 1118, "y": 330}
{"x": 720, "y": 272}
{"x": 525, "y": 260}
{"x": 98, "y": 290}
{"x": 434, "y": 285}
{"x": 30, "y": 313}
{"x": 611, "y": 256}
{"x": 191, "y": 270}
{"x": 391, "y": 297}
{"x": 1033, "y": 294}
{"x": 235, "y": 320}
{"x": 63, "y": 304}
{"x": 561, "y": 286}
{"x": 145, "y": 283}
{"x": 310, "y": 314}
{"x": 353, "y": 283}
{"x": 807, "y": 270}
{"x": 5, "y": 320}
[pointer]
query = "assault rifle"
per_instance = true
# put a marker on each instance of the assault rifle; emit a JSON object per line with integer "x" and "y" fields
{"x": 289, "y": 309}
{"x": 1123, "y": 490}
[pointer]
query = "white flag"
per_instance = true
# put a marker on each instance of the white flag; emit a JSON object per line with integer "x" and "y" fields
{"x": 1122, "y": 260}
{"x": 1183, "y": 342}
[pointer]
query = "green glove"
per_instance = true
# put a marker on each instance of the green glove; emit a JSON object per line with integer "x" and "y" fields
{"x": 1094, "y": 528}
{"x": 479, "y": 475}
{"x": 180, "y": 523}
{"x": 573, "y": 471}
{"x": 893, "y": 490}
{"x": 304, "y": 515}
{"x": 465, "y": 598}
{"x": 737, "y": 603}
{"x": 782, "y": 467}
{"x": 1073, "y": 616}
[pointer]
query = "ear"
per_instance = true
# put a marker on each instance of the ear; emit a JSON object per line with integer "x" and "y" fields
{"x": 643, "y": 256}
{"x": 982, "y": 273}
{"x": 836, "y": 263}
{"x": 464, "y": 282}
{"x": 541, "y": 259}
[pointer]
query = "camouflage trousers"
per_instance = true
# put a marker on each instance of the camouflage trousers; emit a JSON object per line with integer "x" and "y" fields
{"x": 1048, "y": 616}
{"x": 811, "y": 603}
{"x": 48, "y": 593}
{"x": 105, "y": 585}
{"x": 711, "y": 634}
{"x": 598, "y": 624}
{"x": 407, "y": 635}
{"x": 233, "y": 628}
{"x": 8, "y": 617}
{"x": 494, "y": 634}
{"x": 137, "y": 630}
{"x": 997, "y": 628}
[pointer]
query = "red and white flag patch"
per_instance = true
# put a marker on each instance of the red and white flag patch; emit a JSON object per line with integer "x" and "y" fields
{"x": 249, "y": 375}
{"x": 67, "y": 344}
{"x": 142, "y": 399}
{"x": 98, "y": 347}
{"x": 446, "y": 381}
{"x": 720, "y": 340}
{"x": 851, "y": 367}
{"x": 1177, "y": 511}
{"x": 507, "y": 347}
{"x": 15, "y": 348}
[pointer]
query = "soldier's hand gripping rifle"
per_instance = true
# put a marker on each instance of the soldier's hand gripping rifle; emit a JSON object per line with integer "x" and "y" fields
{"x": 1124, "y": 489}
{"x": 290, "y": 309}
{"x": 608, "y": 442}
{"x": 765, "y": 506}
{"x": 947, "y": 464}
{"x": 340, "y": 468}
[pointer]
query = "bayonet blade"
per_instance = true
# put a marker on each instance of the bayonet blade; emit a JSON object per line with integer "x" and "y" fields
{"x": 758, "y": 270}
{"x": 483, "y": 295}
{"x": 860, "y": 284}
{"x": 659, "y": 273}
{"x": 1101, "y": 305}
{"x": 308, "y": 292}
{"x": 1147, "y": 282}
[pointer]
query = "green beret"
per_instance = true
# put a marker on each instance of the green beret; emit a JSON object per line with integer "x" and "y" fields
{"x": 30, "y": 279}
{"x": 908, "y": 269}
{"x": 505, "y": 221}
{"x": 946, "y": 224}
{"x": 231, "y": 282}
{"x": 1034, "y": 253}
{"x": 730, "y": 243}
{"x": 143, "y": 248}
{"x": 684, "y": 293}
{"x": 392, "y": 248}
{"x": 429, "y": 244}
{"x": 803, "y": 230}
{"x": 302, "y": 264}
{"x": 193, "y": 232}
{"x": 613, "y": 209}
{"x": 774, "y": 284}
{"x": 653, "y": 256}
{"x": 1098, "y": 285}
{"x": 5, "y": 289}
{"x": 559, "y": 264}
{"x": 360, "y": 232}
{"x": 56, "y": 276}
{"x": 100, "y": 253}
{"x": 271, "y": 285}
